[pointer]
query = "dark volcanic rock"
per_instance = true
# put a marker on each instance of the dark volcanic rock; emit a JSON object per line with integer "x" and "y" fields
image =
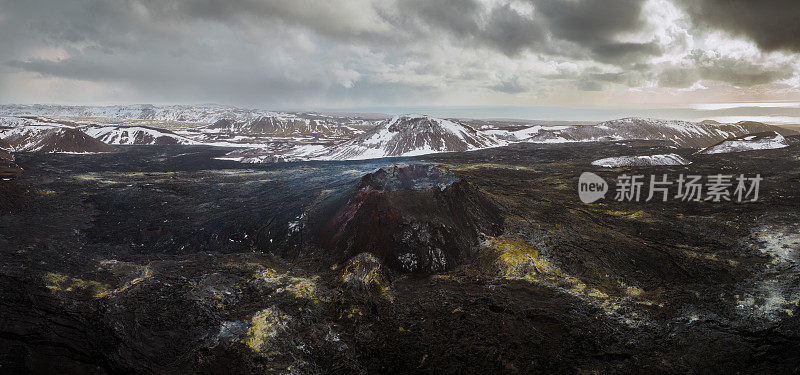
{"x": 5, "y": 150}
{"x": 163, "y": 260}
{"x": 418, "y": 219}
{"x": 5, "y": 155}
{"x": 11, "y": 197}
{"x": 8, "y": 169}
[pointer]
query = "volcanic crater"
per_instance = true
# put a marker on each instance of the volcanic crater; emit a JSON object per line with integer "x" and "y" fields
{"x": 418, "y": 219}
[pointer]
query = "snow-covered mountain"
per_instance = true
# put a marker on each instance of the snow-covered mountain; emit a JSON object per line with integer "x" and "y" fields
{"x": 411, "y": 135}
{"x": 681, "y": 133}
{"x": 288, "y": 125}
{"x": 203, "y": 124}
{"x": 281, "y": 136}
{"x": 202, "y": 114}
{"x": 51, "y": 139}
{"x": 758, "y": 141}
{"x": 641, "y": 161}
{"x": 209, "y": 119}
{"x": 407, "y": 135}
{"x": 134, "y": 135}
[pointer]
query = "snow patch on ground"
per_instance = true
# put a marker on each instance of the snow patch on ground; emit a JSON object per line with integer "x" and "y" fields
{"x": 777, "y": 293}
{"x": 748, "y": 143}
{"x": 641, "y": 161}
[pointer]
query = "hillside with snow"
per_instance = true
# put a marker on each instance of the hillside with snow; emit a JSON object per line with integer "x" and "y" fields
{"x": 411, "y": 135}
{"x": 288, "y": 125}
{"x": 142, "y": 113}
{"x": 134, "y": 135}
{"x": 268, "y": 136}
{"x": 207, "y": 118}
{"x": 681, "y": 133}
{"x": 48, "y": 138}
{"x": 212, "y": 125}
{"x": 407, "y": 135}
{"x": 759, "y": 141}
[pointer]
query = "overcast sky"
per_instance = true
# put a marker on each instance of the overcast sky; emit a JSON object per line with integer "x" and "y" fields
{"x": 360, "y": 53}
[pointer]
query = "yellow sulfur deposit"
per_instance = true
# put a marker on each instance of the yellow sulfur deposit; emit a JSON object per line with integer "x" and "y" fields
{"x": 299, "y": 287}
{"x": 629, "y": 215}
{"x": 517, "y": 259}
{"x": 520, "y": 260}
{"x": 264, "y": 325}
{"x": 61, "y": 283}
{"x": 303, "y": 288}
{"x": 57, "y": 282}
{"x": 366, "y": 269}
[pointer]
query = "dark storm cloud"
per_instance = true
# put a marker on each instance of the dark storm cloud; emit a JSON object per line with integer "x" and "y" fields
{"x": 510, "y": 86}
{"x": 163, "y": 80}
{"x": 609, "y": 77}
{"x": 738, "y": 72}
{"x": 595, "y": 24}
{"x": 130, "y": 23}
{"x": 772, "y": 24}
{"x": 457, "y": 16}
{"x": 588, "y": 85}
{"x": 309, "y": 50}
{"x": 470, "y": 23}
{"x": 146, "y": 43}
{"x": 679, "y": 77}
{"x": 591, "y": 21}
{"x": 594, "y": 81}
{"x": 512, "y": 32}
{"x": 571, "y": 28}
{"x": 625, "y": 53}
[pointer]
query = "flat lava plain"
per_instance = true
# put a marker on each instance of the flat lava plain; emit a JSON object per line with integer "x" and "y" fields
{"x": 158, "y": 259}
